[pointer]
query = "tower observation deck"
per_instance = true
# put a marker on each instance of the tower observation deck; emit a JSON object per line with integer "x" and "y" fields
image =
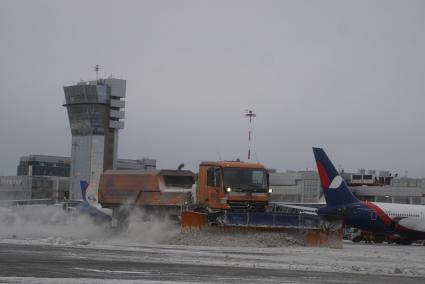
{"x": 95, "y": 111}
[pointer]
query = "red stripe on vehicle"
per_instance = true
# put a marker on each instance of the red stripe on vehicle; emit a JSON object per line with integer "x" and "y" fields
{"x": 381, "y": 214}
{"x": 324, "y": 179}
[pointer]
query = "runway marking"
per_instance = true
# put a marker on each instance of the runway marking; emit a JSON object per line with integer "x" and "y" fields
{"x": 114, "y": 271}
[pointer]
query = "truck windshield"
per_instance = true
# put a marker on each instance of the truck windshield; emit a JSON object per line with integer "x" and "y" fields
{"x": 245, "y": 179}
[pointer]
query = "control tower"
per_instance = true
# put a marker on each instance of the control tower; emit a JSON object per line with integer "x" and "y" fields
{"x": 95, "y": 111}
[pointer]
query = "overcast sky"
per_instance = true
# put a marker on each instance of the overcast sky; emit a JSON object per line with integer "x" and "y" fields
{"x": 348, "y": 76}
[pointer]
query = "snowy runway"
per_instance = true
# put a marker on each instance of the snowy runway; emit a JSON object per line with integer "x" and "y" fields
{"x": 39, "y": 246}
{"x": 42, "y": 261}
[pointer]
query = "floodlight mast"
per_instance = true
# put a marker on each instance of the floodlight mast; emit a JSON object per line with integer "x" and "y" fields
{"x": 250, "y": 114}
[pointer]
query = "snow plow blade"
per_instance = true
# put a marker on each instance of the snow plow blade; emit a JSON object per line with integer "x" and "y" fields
{"x": 193, "y": 220}
{"x": 312, "y": 230}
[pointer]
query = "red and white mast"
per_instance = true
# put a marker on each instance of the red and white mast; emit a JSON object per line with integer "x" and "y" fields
{"x": 250, "y": 114}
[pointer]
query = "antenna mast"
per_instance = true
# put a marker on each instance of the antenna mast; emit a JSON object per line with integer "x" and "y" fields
{"x": 96, "y": 69}
{"x": 250, "y": 114}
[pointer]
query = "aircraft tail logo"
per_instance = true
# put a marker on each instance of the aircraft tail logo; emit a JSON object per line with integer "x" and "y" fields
{"x": 90, "y": 201}
{"x": 334, "y": 187}
{"x": 88, "y": 193}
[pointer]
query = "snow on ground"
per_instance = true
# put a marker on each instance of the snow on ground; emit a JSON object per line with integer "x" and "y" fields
{"x": 217, "y": 237}
{"x": 33, "y": 280}
{"x": 162, "y": 242}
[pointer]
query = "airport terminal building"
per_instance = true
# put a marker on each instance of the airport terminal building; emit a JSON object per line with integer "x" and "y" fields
{"x": 43, "y": 177}
{"x": 296, "y": 187}
{"x": 304, "y": 187}
{"x": 46, "y": 179}
{"x": 39, "y": 177}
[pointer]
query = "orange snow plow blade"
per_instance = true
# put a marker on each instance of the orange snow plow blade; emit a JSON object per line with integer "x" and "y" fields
{"x": 309, "y": 230}
{"x": 193, "y": 220}
{"x": 324, "y": 238}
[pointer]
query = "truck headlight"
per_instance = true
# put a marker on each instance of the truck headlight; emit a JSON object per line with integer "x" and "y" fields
{"x": 270, "y": 190}
{"x": 229, "y": 189}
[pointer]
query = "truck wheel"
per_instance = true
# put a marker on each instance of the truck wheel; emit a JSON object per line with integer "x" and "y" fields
{"x": 357, "y": 239}
{"x": 379, "y": 239}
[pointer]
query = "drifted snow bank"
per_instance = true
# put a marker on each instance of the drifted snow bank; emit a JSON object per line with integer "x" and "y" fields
{"x": 216, "y": 238}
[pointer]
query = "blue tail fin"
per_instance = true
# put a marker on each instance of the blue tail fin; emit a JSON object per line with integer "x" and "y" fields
{"x": 334, "y": 187}
{"x": 91, "y": 205}
{"x": 84, "y": 185}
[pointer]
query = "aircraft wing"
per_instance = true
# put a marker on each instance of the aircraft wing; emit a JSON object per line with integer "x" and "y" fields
{"x": 303, "y": 209}
{"x": 309, "y": 213}
{"x": 398, "y": 219}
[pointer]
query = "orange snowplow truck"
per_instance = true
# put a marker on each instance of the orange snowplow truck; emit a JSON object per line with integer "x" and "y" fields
{"x": 234, "y": 186}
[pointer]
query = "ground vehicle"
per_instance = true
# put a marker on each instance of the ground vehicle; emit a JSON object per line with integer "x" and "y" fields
{"x": 219, "y": 186}
{"x": 358, "y": 235}
{"x": 226, "y": 195}
{"x": 232, "y": 186}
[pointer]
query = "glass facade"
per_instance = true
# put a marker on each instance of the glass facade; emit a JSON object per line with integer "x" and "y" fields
{"x": 295, "y": 187}
{"x": 88, "y": 119}
{"x": 86, "y": 94}
{"x": 40, "y": 165}
{"x": 311, "y": 192}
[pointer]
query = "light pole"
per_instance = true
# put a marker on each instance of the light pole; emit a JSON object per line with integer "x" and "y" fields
{"x": 250, "y": 114}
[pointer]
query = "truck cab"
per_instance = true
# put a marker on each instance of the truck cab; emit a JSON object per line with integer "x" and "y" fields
{"x": 235, "y": 186}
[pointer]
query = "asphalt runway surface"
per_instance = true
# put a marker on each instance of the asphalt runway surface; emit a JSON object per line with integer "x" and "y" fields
{"x": 31, "y": 261}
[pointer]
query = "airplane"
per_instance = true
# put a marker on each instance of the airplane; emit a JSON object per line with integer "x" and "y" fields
{"x": 91, "y": 206}
{"x": 405, "y": 221}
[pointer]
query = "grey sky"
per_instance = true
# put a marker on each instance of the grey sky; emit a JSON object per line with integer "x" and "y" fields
{"x": 348, "y": 76}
